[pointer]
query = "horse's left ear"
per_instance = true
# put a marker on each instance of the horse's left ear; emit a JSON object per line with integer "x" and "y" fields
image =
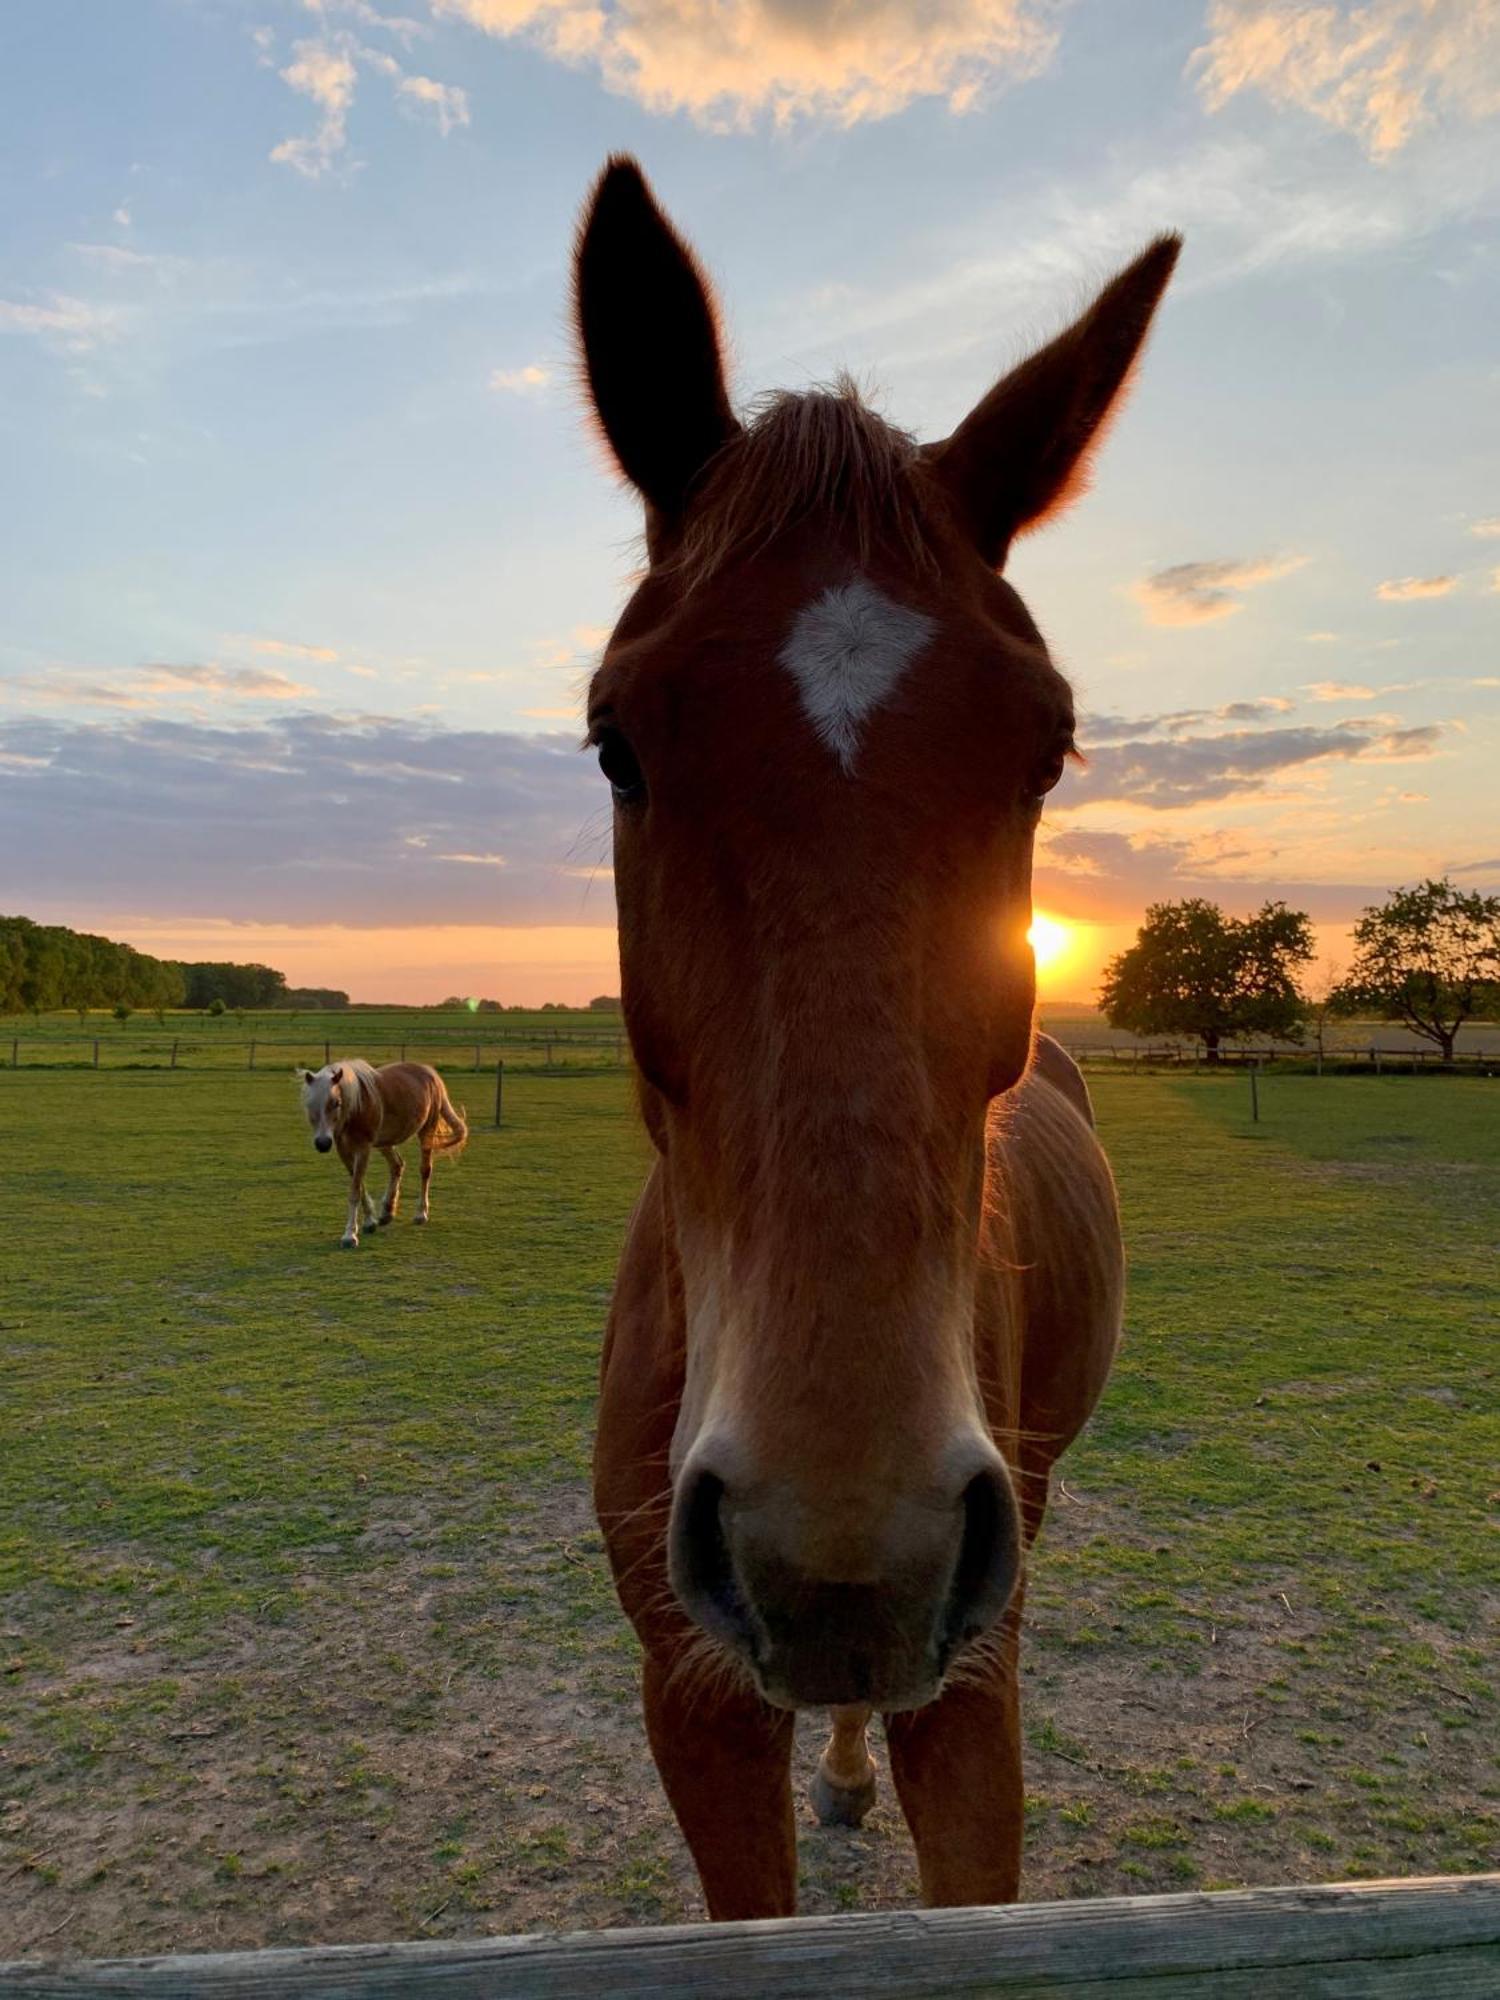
{"x": 650, "y": 340}
{"x": 1023, "y": 452}
{"x": 306, "y": 1075}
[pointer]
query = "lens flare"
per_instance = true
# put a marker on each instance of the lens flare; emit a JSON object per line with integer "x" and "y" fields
{"x": 1049, "y": 939}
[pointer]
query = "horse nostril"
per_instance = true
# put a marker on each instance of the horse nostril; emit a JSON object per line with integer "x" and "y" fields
{"x": 702, "y": 1568}
{"x": 323, "y": 1143}
{"x": 988, "y": 1558}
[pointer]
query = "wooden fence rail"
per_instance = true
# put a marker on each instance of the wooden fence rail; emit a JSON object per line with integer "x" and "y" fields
{"x": 1438, "y": 1939}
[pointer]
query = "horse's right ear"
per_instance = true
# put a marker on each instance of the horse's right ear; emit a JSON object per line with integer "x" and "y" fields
{"x": 303, "y": 1075}
{"x": 650, "y": 343}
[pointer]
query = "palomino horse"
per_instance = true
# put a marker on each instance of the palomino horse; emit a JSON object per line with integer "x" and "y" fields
{"x": 358, "y": 1108}
{"x": 873, "y": 1286}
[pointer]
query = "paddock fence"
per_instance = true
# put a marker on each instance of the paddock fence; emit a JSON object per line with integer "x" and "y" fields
{"x": 572, "y": 1049}
{"x": 565, "y": 1050}
{"x": 1437, "y": 1938}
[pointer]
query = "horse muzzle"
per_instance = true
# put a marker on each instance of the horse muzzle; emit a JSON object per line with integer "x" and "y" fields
{"x": 323, "y": 1143}
{"x": 873, "y": 1612}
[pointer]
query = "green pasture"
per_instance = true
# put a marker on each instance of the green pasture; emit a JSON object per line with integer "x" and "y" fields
{"x": 304, "y": 1626}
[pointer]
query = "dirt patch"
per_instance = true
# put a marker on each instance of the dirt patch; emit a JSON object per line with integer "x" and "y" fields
{"x": 412, "y": 1746}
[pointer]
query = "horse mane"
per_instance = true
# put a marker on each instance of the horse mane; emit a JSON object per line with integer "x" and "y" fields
{"x": 808, "y": 453}
{"x": 360, "y": 1084}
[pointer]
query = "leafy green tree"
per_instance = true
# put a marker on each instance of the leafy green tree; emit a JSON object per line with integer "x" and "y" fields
{"x": 1428, "y": 957}
{"x": 216, "y": 1007}
{"x": 1194, "y": 971}
{"x": 123, "y": 1011}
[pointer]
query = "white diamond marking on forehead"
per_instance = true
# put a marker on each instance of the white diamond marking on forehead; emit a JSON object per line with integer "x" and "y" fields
{"x": 846, "y": 651}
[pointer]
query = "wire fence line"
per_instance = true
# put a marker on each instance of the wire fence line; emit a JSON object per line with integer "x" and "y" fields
{"x": 258, "y": 1052}
{"x": 572, "y": 1050}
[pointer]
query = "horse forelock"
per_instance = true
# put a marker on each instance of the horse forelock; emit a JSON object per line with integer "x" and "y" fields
{"x": 805, "y": 455}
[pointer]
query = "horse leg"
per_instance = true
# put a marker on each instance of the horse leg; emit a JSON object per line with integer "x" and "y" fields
{"x": 357, "y": 1161}
{"x": 424, "y": 1206}
{"x": 392, "y": 1199}
{"x": 957, "y": 1770}
{"x": 843, "y": 1786}
{"x": 725, "y": 1762}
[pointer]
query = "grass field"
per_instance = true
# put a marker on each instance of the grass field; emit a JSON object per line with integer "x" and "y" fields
{"x": 304, "y": 1625}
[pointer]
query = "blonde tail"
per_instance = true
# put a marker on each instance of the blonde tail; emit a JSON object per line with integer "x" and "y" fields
{"x": 453, "y": 1130}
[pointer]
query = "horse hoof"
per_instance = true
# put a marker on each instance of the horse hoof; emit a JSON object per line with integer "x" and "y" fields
{"x": 419, "y": 1218}
{"x": 349, "y": 1243}
{"x": 841, "y": 1805}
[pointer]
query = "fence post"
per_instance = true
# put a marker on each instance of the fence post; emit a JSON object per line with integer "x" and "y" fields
{"x": 96, "y": 1055}
{"x": 403, "y": 1052}
{"x": 476, "y": 1056}
{"x": 15, "y": 1052}
{"x": 499, "y": 1085}
{"x": 1255, "y": 1093}
{"x": 174, "y": 1055}
{"x": 327, "y": 1055}
{"x": 251, "y": 1063}
{"x": 549, "y": 1055}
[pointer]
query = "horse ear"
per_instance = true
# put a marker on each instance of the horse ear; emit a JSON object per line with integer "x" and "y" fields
{"x": 336, "y": 1074}
{"x": 307, "y": 1075}
{"x": 1023, "y": 452}
{"x": 650, "y": 343}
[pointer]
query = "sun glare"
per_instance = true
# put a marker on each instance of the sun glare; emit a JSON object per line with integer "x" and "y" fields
{"x": 1049, "y": 940}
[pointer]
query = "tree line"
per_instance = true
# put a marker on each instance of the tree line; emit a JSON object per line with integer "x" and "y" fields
{"x": 44, "y": 967}
{"x": 1427, "y": 957}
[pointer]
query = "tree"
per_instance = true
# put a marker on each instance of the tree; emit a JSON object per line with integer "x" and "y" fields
{"x": 123, "y": 1011}
{"x": 1194, "y": 971}
{"x": 1428, "y": 957}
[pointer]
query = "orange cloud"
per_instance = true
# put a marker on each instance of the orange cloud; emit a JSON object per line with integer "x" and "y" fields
{"x": 727, "y": 62}
{"x": 1195, "y": 593}
{"x": 1380, "y": 71}
{"x": 1402, "y": 589}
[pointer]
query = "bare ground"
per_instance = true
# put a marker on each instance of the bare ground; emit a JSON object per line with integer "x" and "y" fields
{"x": 409, "y": 1745}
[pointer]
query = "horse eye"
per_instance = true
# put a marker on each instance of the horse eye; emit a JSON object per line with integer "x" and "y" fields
{"x": 618, "y": 763}
{"x": 1049, "y": 773}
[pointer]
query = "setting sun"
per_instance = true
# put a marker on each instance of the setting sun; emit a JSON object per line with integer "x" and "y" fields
{"x": 1049, "y": 939}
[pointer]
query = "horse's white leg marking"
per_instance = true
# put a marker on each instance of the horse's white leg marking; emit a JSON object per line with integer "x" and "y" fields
{"x": 357, "y": 1196}
{"x": 846, "y": 651}
{"x": 424, "y": 1208}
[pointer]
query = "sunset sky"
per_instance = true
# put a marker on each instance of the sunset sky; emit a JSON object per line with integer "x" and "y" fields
{"x": 305, "y": 550}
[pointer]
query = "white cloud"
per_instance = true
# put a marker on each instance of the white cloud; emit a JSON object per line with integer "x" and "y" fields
{"x": 448, "y": 104}
{"x": 74, "y": 323}
{"x": 325, "y": 72}
{"x": 1194, "y": 593}
{"x": 1382, "y": 71}
{"x": 520, "y": 381}
{"x": 326, "y": 69}
{"x": 728, "y": 62}
{"x": 1402, "y": 589}
{"x": 285, "y": 649}
{"x": 475, "y": 860}
{"x": 1337, "y": 691}
{"x": 1488, "y": 529}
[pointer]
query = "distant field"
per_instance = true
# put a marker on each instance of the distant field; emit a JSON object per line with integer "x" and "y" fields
{"x": 526, "y": 1038}
{"x": 304, "y": 1624}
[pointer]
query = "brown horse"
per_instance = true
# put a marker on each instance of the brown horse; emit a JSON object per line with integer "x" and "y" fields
{"x": 873, "y": 1286}
{"x": 358, "y": 1108}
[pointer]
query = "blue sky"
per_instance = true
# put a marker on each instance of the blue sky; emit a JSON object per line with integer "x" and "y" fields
{"x": 306, "y": 548}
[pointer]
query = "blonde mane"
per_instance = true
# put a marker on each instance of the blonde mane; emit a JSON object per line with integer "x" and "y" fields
{"x": 359, "y": 1083}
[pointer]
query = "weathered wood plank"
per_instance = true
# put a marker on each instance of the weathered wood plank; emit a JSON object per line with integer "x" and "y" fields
{"x": 1438, "y": 1939}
